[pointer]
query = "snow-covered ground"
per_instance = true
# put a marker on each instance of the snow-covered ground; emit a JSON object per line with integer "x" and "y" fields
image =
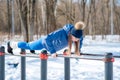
{"x": 80, "y": 70}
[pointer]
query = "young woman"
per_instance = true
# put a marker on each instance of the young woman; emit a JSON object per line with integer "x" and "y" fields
{"x": 58, "y": 40}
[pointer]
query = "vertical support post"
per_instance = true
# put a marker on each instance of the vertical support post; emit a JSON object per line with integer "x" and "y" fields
{"x": 43, "y": 57}
{"x": 66, "y": 68}
{"x": 2, "y": 63}
{"x": 109, "y": 66}
{"x": 23, "y": 65}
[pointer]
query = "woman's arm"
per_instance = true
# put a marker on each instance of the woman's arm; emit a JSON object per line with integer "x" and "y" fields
{"x": 77, "y": 47}
{"x": 69, "y": 44}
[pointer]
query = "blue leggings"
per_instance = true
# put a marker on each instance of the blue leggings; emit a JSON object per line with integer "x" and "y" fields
{"x": 34, "y": 45}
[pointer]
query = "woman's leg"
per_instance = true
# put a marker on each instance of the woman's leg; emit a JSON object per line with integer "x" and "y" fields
{"x": 35, "y": 45}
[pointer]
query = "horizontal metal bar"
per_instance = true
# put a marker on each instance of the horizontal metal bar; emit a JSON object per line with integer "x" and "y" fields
{"x": 115, "y": 56}
{"x": 59, "y": 55}
{"x": 80, "y": 57}
{"x": 87, "y": 54}
{"x": 24, "y": 55}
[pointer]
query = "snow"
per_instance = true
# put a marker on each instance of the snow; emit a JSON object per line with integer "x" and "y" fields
{"x": 80, "y": 70}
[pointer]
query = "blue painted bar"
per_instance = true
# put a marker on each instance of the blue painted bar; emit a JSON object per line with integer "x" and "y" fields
{"x": 43, "y": 57}
{"x": 2, "y": 63}
{"x": 109, "y": 66}
{"x": 66, "y": 68}
{"x": 23, "y": 65}
{"x": 43, "y": 69}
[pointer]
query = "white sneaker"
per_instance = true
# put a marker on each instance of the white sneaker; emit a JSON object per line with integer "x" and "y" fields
{"x": 13, "y": 44}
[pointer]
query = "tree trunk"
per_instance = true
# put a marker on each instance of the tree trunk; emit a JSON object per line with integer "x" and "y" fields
{"x": 9, "y": 18}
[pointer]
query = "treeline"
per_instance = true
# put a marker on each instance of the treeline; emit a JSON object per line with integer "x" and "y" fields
{"x": 29, "y": 17}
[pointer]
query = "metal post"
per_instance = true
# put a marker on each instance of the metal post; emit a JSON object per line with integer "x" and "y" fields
{"x": 2, "y": 63}
{"x": 66, "y": 68}
{"x": 43, "y": 57}
{"x": 23, "y": 65}
{"x": 109, "y": 66}
{"x": 43, "y": 69}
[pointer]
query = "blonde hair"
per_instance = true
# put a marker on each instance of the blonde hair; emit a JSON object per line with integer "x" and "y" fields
{"x": 80, "y": 25}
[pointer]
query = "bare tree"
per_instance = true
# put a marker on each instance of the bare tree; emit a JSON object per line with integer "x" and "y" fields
{"x": 9, "y": 16}
{"x": 70, "y": 11}
{"x": 117, "y": 19}
{"x": 45, "y": 16}
{"x": 26, "y": 13}
{"x": 49, "y": 16}
{"x": 82, "y": 5}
